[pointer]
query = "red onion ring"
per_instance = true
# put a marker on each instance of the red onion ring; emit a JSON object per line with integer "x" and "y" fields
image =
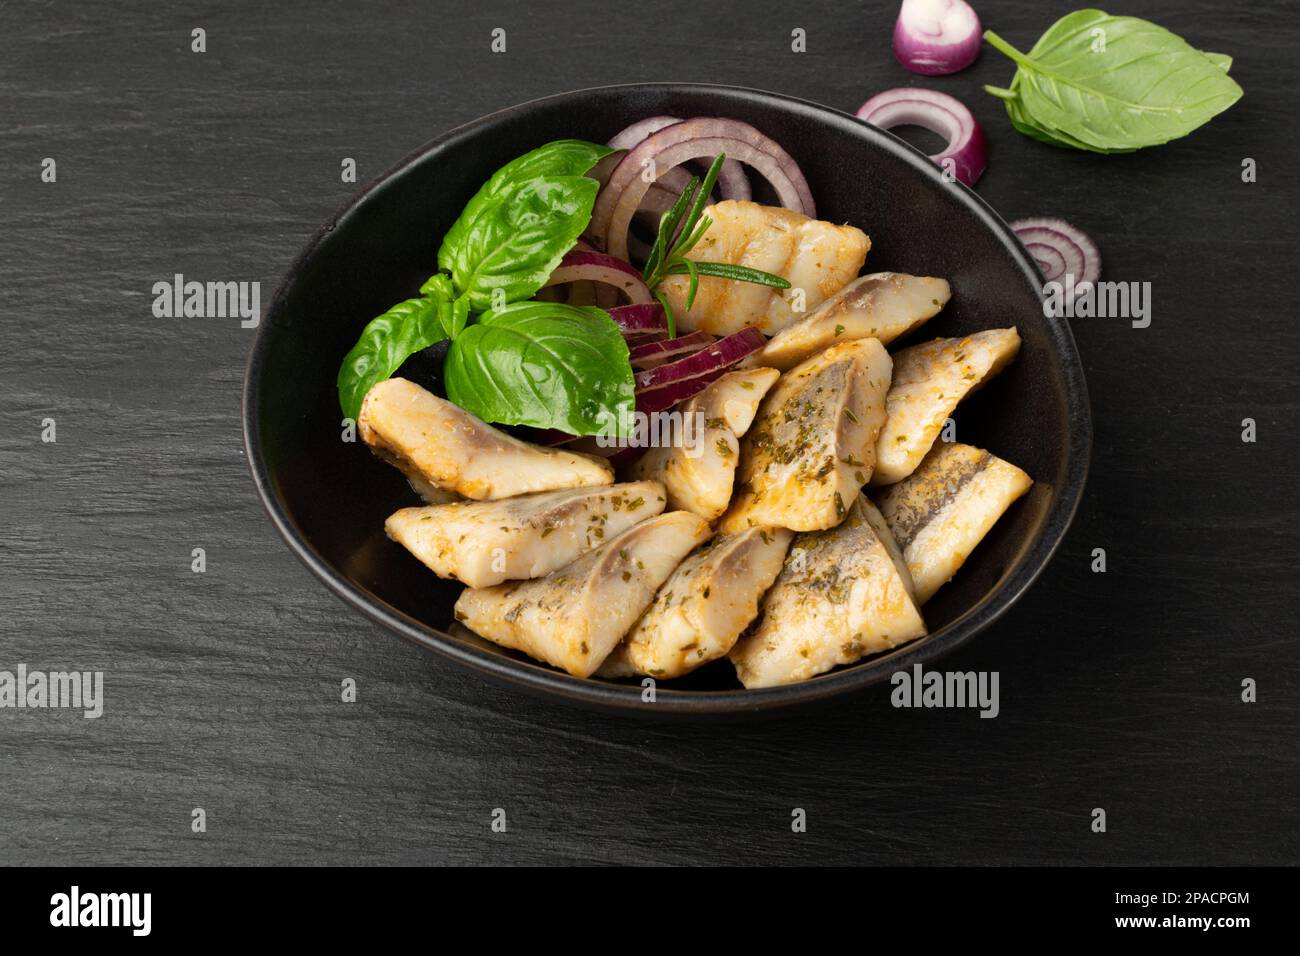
{"x": 578, "y": 266}
{"x": 934, "y": 37}
{"x": 653, "y": 354}
{"x": 1059, "y": 249}
{"x": 699, "y": 138}
{"x": 967, "y": 148}
{"x": 640, "y": 320}
{"x": 732, "y": 181}
{"x": 718, "y": 355}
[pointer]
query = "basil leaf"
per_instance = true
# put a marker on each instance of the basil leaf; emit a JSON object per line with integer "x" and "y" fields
{"x": 1221, "y": 60}
{"x": 516, "y": 239}
{"x": 544, "y": 364}
{"x": 1144, "y": 87}
{"x": 1022, "y": 121}
{"x": 385, "y": 343}
{"x": 518, "y": 226}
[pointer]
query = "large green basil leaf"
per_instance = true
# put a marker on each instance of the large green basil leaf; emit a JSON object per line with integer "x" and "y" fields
{"x": 1143, "y": 87}
{"x": 543, "y": 364}
{"x": 1023, "y": 122}
{"x": 517, "y": 239}
{"x": 518, "y": 226}
{"x": 385, "y": 343}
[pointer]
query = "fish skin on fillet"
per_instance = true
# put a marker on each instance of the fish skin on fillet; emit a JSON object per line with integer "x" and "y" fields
{"x": 703, "y": 607}
{"x": 842, "y": 594}
{"x": 940, "y": 512}
{"x": 448, "y": 447}
{"x": 574, "y": 617}
{"x": 483, "y": 543}
{"x": 883, "y": 306}
{"x": 813, "y": 444}
{"x": 699, "y": 479}
{"x": 929, "y": 381}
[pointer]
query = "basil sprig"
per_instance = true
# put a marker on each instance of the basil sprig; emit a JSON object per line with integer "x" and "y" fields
{"x": 680, "y": 230}
{"x": 522, "y": 363}
{"x": 1111, "y": 84}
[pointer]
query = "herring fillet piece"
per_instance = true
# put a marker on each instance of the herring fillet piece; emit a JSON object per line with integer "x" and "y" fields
{"x": 842, "y": 594}
{"x": 704, "y": 606}
{"x": 941, "y": 511}
{"x": 483, "y": 543}
{"x": 816, "y": 257}
{"x": 882, "y": 305}
{"x": 929, "y": 380}
{"x": 698, "y": 475}
{"x": 812, "y": 445}
{"x": 574, "y": 617}
{"x": 458, "y": 452}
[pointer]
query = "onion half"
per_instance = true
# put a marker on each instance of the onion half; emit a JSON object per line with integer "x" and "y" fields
{"x": 967, "y": 150}
{"x": 934, "y": 37}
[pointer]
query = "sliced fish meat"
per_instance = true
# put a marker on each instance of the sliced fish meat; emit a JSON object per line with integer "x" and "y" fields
{"x": 941, "y": 511}
{"x": 574, "y": 617}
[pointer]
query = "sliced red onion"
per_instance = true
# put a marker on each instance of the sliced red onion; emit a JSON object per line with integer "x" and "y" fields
{"x": 732, "y": 181}
{"x": 666, "y": 396}
{"x": 1059, "y": 249}
{"x": 666, "y": 350}
{"x": 967, "y": 151}
{"x": 665, "y": 386}
{"x": 641, "y": 320}
{"x": 631, "y": 135}
{"x": 699, "y": 138}
{"x": 934, "y": 37}
{"x": 578, "y": 266}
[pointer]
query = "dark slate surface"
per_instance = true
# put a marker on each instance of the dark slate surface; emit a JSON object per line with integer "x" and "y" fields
{"x": 1118, "y": 690}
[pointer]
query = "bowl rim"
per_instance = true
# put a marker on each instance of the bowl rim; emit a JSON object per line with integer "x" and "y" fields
{"x": 537, "y": 678}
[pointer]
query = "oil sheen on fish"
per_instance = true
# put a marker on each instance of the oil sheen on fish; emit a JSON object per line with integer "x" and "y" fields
{"x": 842, "y": 594}
{"x": 448, "y": 447}
{"x": 940, "y": 512}
{"x": 574, "y": 617}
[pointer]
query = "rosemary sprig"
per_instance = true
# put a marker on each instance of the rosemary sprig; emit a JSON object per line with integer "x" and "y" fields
{"x": 680, "y": 230}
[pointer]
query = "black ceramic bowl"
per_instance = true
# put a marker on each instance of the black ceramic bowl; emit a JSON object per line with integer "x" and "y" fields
{"x": 329, "y": 499}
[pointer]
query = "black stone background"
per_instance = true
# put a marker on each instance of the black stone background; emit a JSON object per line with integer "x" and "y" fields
{"x": 1118, "y": 690}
